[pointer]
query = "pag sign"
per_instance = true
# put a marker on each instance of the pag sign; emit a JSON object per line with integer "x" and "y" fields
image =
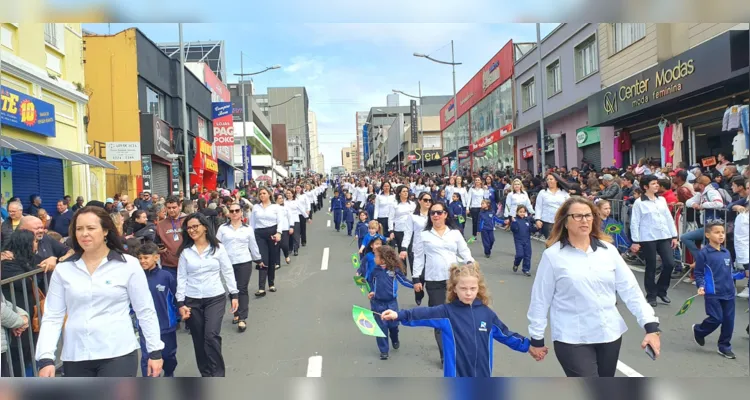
{"x": 123, "y": 151}
{"x": 223, "y": 130}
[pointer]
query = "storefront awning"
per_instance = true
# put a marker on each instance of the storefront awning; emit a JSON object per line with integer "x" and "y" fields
{"x": 48, "y": 151}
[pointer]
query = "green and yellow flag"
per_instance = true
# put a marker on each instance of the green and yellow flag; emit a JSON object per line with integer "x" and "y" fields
{"x": 355, "y": 260}
{"x": 361, "y": 282}
{"x": 686, "y": 305}
{"x": 365, "y": 321}
{"x": 471, "y": 240}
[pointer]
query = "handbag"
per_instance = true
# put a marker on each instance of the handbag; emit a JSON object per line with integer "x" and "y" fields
{"x": 36, "y": 321}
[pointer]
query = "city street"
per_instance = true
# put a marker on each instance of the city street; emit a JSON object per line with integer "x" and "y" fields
{"x": 306, "y": 328}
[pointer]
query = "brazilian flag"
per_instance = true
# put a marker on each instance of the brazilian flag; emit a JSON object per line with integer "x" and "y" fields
{"x": 365, "y": 321}
{"x": 461, "y": 219}
{"x": 343, "y": 226}
{"x": 613, "y": 229}
{"x": 355, "y": 260}
{"x": 471, "y": 240}
{"x": 361, "y": 282}
{"x": 686, "y": 305}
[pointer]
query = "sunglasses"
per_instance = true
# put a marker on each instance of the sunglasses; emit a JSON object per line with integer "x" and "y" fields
{"x": 235, "y": 211}
{"x": 437, "y": 212}
{"x": 427, "y": 199}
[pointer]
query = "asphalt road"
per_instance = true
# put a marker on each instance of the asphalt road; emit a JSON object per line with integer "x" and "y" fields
{"x": 306, "y": 328}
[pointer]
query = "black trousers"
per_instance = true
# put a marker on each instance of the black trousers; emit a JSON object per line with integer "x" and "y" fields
{"x": 398, "y": 239}
{"x": 205, "y": 330}
{"x": 649, "y": 250}
{"x": 283, "y": 247}
{"x": 303, "y": 229}
{"x": 294, "y": 238}
{"x": 474, "y": 211}
{"x": 269, "y": 253}
{"x": 418, "y": 296}
{"x": 588, "y": 360}
{"x": 119, "y": 367}
{"x": 436, "y": 296}
{"x": 242, "y": 273}
{"x": 546, "y": 228}
{"x": 384, "y": 223}
{"x": 320, "y": 201}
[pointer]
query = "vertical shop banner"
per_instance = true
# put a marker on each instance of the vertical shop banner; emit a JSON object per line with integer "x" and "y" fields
{"x": 223, "y": 130}
{"x": 366, "y": 142}
{"x": 247, "y": 152}
{"x": 146, "y": 172}
{"x": 413, "y": 120}
{"x": 175, "y": 177}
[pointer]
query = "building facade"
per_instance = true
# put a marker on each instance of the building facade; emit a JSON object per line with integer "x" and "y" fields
{"x": 321, "y": 168}
{"x": 346, "y": 158}
{"x": 43, "y": 147}
{"x": 293, "y": 112}
{"x": 314, "y": 142}
{"x": 361, "y": 119}
{"x": 384, "y": 155}
{"x": 210, "y": 53}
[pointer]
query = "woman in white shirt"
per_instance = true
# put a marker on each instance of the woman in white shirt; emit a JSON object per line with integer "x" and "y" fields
{"x": 268, "y": 222}
{"x": 238, "y": 240}
{"x": 515, "y": 198}
{"x": 95, "y": 289}
{"x": 360, "y": 195}
{"x": 384, "y": 203}
{"x": 400, "y": 216}
{"x": 419, "y": 186}
{"x": 475, "y": 195}
{"x": 449, "y": 188}
{"x": 652, "y": 229}
{"x": 306, "y": 218}
{"x": 577, "y": 283}
{"x": 299, "y": 217}
{"x": 287, "y": 229}
{"x": 200, "y": 295}
{"x": 436, "y": 248}
{"x": 415, "y": 225}
{"x": 461, "y": 190}
{"x": 548, "y": 201}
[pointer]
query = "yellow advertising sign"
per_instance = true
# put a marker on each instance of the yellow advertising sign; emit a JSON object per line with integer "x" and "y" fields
{"x": 211, "y": 165}
{"x": 205, "y": 148}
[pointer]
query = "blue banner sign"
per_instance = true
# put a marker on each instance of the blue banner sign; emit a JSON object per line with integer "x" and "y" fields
{"x": 365, "y": 143}
{"x": 28, "y": 113}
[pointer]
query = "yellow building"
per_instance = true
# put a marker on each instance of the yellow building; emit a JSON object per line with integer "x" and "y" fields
{"x": 44, "y": 149}
{"x": 346, "y": 158}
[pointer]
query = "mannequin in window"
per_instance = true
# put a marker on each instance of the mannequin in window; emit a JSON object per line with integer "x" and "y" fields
{"x": 739, "y": 151}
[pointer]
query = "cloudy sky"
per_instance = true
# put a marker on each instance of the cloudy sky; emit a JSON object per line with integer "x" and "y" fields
{"x": 347, "y": 67}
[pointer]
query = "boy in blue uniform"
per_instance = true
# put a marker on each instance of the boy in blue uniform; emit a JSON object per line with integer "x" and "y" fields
{"x": 370, "y": 207}
{"x": 487, "y": 227}
{"x": 362, "y": 229}
{"x": 458, "y": 212}
{"x": 713, "y": 277}
{"x": 522, "y": 228}
{"x": 337, "y": 208}
{"x": 349, "y": 218}
{"x": 163, "y": 287}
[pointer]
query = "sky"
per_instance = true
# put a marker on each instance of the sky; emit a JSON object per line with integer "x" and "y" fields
{"x": 347, "y": 67}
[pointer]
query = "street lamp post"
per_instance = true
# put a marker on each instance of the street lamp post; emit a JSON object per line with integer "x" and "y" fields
{"x": 185, "y": 143}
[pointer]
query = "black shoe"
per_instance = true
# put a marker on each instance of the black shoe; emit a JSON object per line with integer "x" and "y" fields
{"x": 396, "y": 345}
{"x": 664, "y": 299}
{"x": 383, "y": 356}
{"x": 419, "y": 302}
{"x": 304, "y": 244}
{"x": 260, "y": 293}
{"x": 272, "y": 288}
{"x": 527, "y": 273}
{"x": 296, "y": 253}
{"x": 242, "y": 326}
{"x": 442, "y": 363}
{"x": 487, "y": 256}
{"x": 651, "y": 302}
{"x": 747, "y": 329}
{"x": 515, "y": 268}
{"x": 699, "y": 341}
{"x": 727, "y": 354}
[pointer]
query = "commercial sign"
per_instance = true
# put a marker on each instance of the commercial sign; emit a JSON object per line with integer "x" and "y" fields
{"x": 146, "y": 172}
{"x": 428, "y": 155}
{"x": 586, "y": 136}
{"x": 413, "y": 121}
{"x": 366, "y": 141}
{"x": 447, "y": 115}
{"x": 695, "y": 69}
{"x": 527, "y": 152}
{"x": 491, "y": 138}
{"x": 28, "y": 113}
{"x": 223, "y": 130}
{"x": 175, "y": 177}
{"x": 219, "y": 91}
{"x": 162, "y": 138}
{"x": 123, "y": 151}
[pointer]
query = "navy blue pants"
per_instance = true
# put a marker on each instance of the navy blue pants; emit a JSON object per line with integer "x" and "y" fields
{"x": 488, "y": 239}
{"x": 720, "y": 313}
{"x": 349, "y": 227}
{"x": 389, "y": 328}
{"x": 169, "y": 354}
{"x": 523, "y": 253}
{"x": 338, "y": 215}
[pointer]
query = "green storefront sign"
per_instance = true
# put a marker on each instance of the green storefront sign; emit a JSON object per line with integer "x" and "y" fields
{"x": 586, "y": 136}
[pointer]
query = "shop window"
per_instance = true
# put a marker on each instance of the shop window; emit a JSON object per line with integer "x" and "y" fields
{"x": 54, "y": 35}
{"x": 554, "y": 79}
{"x": 623, "y": 35}
{"x": 6, "y": 37}
{"x": 587, "y": 58}
{"x": 431, "y": 142}
{"x": 528, "y": 90}
{"x": 156, "y": 103}
{"x": 202, "y": 128}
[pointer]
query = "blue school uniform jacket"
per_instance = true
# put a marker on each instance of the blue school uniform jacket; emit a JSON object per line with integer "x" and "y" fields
{"x": 337, "y": 203}
{"x": 348, "y": 214}
{"x": 713, "y": 272}
{"x": 370, "y": 208}
{"x": 522, "y": 229}
{"x": 361, "y": 231}
{"x": 486, "y": 221}
{"x": 163, "y": 287}
{"x": 455, "y": 209}
{"x": 385, "y": 283}
{"x": 468, "y": 332}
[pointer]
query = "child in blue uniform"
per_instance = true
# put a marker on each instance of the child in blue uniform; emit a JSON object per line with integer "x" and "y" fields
{"x": 337, "y": 208}
{"x": 522, "y": 228}
{"x": 458, "y": 212}
{"x": 367, "y": 265}
{"x": 349, "y": 217}
{"x": 487, "y": 227}
{"x": 386, "y": 275}
{"x": 362, "y": 229}
{"x": 713, "y": 278}
{"x": 370, "y": 207}
{"x": 468, "y": 325}
{"x": 163, "y": 287}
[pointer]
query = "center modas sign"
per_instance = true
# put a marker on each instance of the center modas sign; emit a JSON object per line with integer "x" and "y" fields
{"x": 429, "y": 155}
{"x": 123, "y": 151}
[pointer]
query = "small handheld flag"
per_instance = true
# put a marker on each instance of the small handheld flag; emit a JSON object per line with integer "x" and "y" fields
{"x": 471, "y": 240}
{"x": 361, "y": 282}
{"x": 355, "y": 260}
{"x": 329, "y": 214}
{"x": 686, "y": 305}
{"x": 461, "y": 219}
{"x": 343, "y": 226}
{"x": 366, "y": 322}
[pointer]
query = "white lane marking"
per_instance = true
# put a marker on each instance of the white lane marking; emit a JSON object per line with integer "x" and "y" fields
{"x": 324, "y": 262}
{"x": 315, "y": 363}
{"x": 622, "y": 367}
{"x": 328, "y": 223}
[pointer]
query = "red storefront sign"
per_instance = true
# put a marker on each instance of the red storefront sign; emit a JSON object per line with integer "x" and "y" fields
{"x": 528, "y": 152}
{"x": 491, "y": 138}
{"x": 205, "y": 167}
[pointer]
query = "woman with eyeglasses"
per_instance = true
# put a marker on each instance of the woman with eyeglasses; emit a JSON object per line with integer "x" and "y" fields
{"x": 268, "y": 222}
{"x": 436, "y": 248}
{"x": 416, "y": 223}
{"x": 238, "y": 239}
{"x": 384, "y": 204}
{"x": 578, "y": 280}
{"x": 287, "y": 229}
{"x": 299, "y": 214}
{"x": 400, "y": 217}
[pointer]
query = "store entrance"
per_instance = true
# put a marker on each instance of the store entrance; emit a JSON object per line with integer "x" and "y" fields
{"x": 709, "y": 140}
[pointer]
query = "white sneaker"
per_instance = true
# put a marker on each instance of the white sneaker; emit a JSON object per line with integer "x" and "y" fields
{"x": 744, "y": 294}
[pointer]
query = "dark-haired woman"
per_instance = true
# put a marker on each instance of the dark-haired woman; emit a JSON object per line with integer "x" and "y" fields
{"x": 95, "y": 289}
{"x": 436, "y": 248}
{"x": 548, "y": 201}
{"x": 415, "y": 225}
{"x": 267, "y": 221}
{"x": 140, "y": 228}
{"x": 384, "y": 204}
{"x": 577, "y": 283}
{"x": 287, "y": 229}
{"x": 299, "y": 215}
{"x": 400, "y": 217}
{"x": 200, "y": 296}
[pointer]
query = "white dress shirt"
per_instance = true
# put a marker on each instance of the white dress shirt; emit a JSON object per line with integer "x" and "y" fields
{"x": 384, "y": 205}
{"x": 415, "y": 225}
{"x": 514, "y": 200}
{"x": 266, "y": 217}
{"x": 199, "y": 274}
{"x": 98, "y": 309}
{"x": 449, "y": 192}
{"x": 651, "y": 220}
{"x": 360, "y": 194}
{"x": 239, "y": 243}
{"x": 462, "y": 193}
{"x": 293, "y": 209}
{"x": 436, "y": 254}
{"x": 579, "y": 290}
{"x": 547, "y": 204}
{"x": 475, "y": 198}
{"x": 399, "y": 217}
{"x": 419, "y": 189}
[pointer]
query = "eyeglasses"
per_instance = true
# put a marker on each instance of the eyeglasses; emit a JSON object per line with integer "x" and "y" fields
{"x": 235, "y": 211}
{"x": 581, "y": 217}
{"x": 193, "y": 227}
{"x": 437, "y": 212}
{"x": 427, "y": 199}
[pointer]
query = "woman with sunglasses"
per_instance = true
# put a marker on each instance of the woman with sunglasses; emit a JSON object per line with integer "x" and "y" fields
{"x": 287, "y": 229}
{"x": 415, "y": 225}
{"x": 268, "y": 221}
{"x": 200, "y": 296}
{"x": 436, "y": 248}
{"x": 239, "y": 242}
{"x": 299, "y": 215}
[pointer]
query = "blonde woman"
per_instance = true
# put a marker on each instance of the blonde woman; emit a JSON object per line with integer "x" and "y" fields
{"x": 515, "y": 198}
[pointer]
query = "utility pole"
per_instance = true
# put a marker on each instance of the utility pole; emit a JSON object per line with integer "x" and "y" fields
{"x": 541, "y": 92}
{"x": 185, "y": 143}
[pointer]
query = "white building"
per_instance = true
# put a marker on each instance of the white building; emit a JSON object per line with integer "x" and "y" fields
{"x": 312, "y": 120}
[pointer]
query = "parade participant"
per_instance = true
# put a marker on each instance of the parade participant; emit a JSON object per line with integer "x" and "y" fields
{"x": 361, "y": 230}
{"x": 384, "y": 204}
{"x": 337, "y": 208}
{"x": 201, "y": 298}
{"x": 386, "y": 275}
{"x": 267, "y": 221}
{"x": 304, "y": 217}
{"x": 370, "y": 207}
{"x": 475, "y": 196}
{"x": 457, "y": 212}
{"x": 298, "y": 212}
{"x": 286, "y": 230}
{"x": 368, "y": 259}
{"x": 416, "y": 225}
{"x": 522, "y": 227}
{"x": 373, "y": 229}
{"x": 517, "y": 196}
{"x": 400, "y": 217}
{"x": 467, "y": 302}
{"x": 349, "y": 218}
{"x": 487, "y": 227}
{"x": 461, "y": 190}
{"x": 360, "y": 195}
{"x": 548, "y": 201}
